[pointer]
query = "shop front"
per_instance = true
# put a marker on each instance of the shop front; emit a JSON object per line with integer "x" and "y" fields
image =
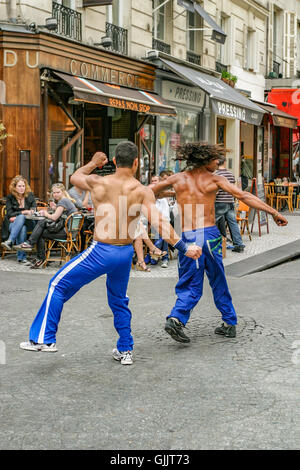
{"x": 212, "y": 112}
{"x": 184, "y": 127}
{"x": 62, "y": 101}
{"x": 278, "y": 128}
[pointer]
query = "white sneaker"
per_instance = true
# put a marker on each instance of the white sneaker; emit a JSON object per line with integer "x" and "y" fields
{"x": 125, "y": 357}
{"x": 164, "y": 264}
{"x": 31, "y": 346}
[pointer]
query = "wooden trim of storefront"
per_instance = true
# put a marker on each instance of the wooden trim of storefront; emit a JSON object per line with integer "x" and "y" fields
{"x": 26, "y": 105}
{"x": 65, "y": 51}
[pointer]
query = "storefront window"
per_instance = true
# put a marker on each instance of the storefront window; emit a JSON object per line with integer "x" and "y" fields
{"x": 173, "y": 132}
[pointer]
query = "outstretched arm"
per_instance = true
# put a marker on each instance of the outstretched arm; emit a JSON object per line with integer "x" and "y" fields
{"x": 163, "y": 188}
{"x": 164, "y": 228}
{"x": 250, "y": 199}
{"x": 82, "y": 177}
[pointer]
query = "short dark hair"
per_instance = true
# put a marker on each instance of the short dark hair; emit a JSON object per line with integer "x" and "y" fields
{"x": 163, "y": 173}
{"x": 126, "y": 152}
{"x": 222, "y": 160}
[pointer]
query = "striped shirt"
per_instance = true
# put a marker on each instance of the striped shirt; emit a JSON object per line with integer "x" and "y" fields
{"x": 223, "y": 196}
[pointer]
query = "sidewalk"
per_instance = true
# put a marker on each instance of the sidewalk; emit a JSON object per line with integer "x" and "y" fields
{"x": 277, "y": 237}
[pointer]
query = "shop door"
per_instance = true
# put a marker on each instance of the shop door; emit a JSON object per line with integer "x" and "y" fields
{"x": 221, "y": 132}
{"x": 94, "y": 131}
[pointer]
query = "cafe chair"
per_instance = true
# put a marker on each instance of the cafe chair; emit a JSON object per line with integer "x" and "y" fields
{"x": 71, "y": 244}
{"x": 242, "y": 218}
{"x": 288, "y": 198}
{"x": 88, "y": 238}
{"x": 297, "y": 201}
{"x": 270, "y": 194}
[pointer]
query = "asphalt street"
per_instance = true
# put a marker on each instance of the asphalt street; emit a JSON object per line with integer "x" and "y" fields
{"x": 214, "y": 393}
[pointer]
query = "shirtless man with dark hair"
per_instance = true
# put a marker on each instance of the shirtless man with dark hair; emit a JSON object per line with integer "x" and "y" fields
{"x": 196, "y": 190}
{"x": 118, "y": 200}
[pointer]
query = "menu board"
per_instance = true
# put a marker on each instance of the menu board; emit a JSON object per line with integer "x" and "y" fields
{"x": 258, "y": 189}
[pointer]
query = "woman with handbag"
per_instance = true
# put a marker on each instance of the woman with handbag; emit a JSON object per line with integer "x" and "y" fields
{"x": 52, "y": 226}
{"x": 19, "y": 203}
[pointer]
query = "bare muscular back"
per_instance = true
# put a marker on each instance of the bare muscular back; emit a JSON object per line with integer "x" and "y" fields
{"x": 117, "y": 203}
{"x": 195, "y": 193}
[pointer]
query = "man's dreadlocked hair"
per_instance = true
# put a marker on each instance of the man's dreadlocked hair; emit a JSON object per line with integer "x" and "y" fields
{"x": 197, "y": 154}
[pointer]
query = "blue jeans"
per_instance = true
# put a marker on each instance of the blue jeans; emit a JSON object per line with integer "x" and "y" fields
{"x": 18, "y": 233}
{"x": 227, "y": 211}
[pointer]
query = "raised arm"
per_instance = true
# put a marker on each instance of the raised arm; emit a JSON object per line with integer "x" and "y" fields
{"x": 163, "y": 188}
{"x": 250, "y": 199}
{"x": 164, "y": 228}
{"x": 82, "y": 177}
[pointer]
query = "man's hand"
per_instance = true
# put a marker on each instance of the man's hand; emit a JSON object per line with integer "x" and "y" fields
{"x": 194, "y": 252}
{"x": 280, "y": 220}
{"x": 99, "y": 159}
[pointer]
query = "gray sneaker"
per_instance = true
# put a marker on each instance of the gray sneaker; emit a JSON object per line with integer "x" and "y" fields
{"x": 31, "y": 346}
{"x": 125, "y": 357}
{"x": 164, "y": 264}
{"x": 7, "y": 245}
{"x": 174, "y": 328}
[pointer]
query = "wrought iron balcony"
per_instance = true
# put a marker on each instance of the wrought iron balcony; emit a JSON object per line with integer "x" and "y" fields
{"x": 161, "y": 46}
{"x": 119, "y": 37}
{"x": 220, "y": 67}
{"x": 68, "y": 21}
{"x": 193, "y": 58}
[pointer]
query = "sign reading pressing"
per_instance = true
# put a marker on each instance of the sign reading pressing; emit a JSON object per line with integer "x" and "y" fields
{"x": 236, "y": 112}
{"x": 96, "y": 3}
{"x": 182, "y": 94}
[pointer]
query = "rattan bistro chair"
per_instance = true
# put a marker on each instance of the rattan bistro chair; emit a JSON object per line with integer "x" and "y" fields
{"x": 72, "y": 242}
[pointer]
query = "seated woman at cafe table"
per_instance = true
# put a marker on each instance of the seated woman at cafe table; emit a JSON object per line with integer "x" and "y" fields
{"x": 19, "y": 203}
{"x": 62, "y": 205}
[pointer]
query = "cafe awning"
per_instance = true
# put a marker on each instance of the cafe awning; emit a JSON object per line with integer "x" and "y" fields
{"x": 225, "y": 100}
{"x": 116, "y": 96}
{"x": 279, "y": 118}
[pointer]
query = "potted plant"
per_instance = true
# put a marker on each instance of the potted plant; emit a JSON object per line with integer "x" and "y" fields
{"x": 233, "y": 80}
{"x": 225, "y": 76}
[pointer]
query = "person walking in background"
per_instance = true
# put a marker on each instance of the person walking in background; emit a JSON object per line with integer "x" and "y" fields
{"x": 19, "y": 203}
{"x": 225, "y": 210}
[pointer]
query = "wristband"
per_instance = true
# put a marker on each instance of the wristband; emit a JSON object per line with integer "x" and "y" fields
{"x": 181, "y": 246}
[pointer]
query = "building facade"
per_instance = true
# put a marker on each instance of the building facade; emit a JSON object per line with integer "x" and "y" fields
{"x": 179, "y": 52}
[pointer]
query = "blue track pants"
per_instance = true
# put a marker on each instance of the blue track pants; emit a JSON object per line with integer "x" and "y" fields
{"x": 99, "y": 258}
{"x": 189, "y": 288}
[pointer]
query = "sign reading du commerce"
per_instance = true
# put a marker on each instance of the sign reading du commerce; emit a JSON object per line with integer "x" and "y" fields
{"x": 182, "y": 94}
{"x": 236, "y": 112}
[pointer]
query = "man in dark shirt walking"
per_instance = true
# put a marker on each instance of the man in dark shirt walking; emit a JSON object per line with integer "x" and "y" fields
{"x": 224, "y": 209}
